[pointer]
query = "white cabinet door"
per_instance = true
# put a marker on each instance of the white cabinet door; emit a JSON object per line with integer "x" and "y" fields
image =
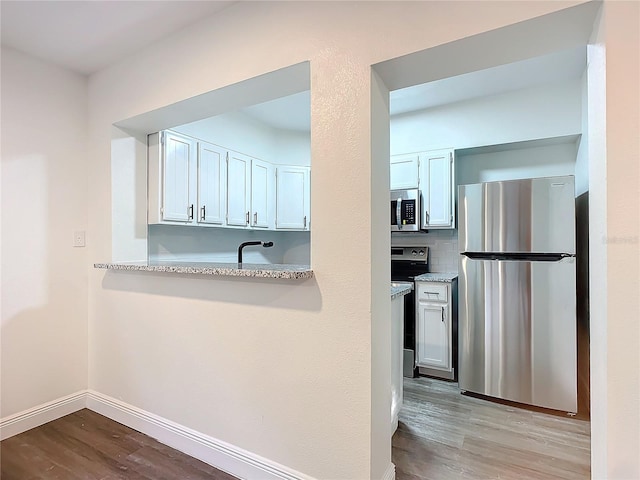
{"x": 179, "y": 179}
{"x": 403, "y": 171}
{"x": 212, "y": 180}
{"x": 292, "y": 198}
{"x": 238, "y": 189}
{"x": 261, "y": 193}
{"x": 432, "y": 336}
{"x": 436, "y": 185}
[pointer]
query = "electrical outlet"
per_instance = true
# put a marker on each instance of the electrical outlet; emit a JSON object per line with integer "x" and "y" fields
{"x": 78, "y": 238}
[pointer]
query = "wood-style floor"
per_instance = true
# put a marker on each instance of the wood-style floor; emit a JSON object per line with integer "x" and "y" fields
{"x": 88, "y": 446}
{"x": 445, "y": 435}
{"x": 442, "y": 435}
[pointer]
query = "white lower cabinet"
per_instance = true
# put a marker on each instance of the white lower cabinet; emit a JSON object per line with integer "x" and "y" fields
{"x": 436, "y": 328}
{"x": 397, "y": 338}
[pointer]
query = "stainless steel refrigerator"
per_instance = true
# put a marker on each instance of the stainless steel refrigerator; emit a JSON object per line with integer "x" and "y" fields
{"x": 517, "y": 291}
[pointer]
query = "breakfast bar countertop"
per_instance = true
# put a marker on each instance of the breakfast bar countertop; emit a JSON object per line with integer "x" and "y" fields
{"x": 276, "y": 271}
{"x": 437, "y": 277}
{"x": 399, "y": 290}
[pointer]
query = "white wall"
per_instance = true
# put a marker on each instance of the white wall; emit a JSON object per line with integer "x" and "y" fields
{"x": 552, "y": 110}
{"x": 239, "y": 132}
{"x": 614, "y": 223}
{"x": 286, "y": 370}
{"x": 532, "y": 162}
{"x": 44, "y": 200}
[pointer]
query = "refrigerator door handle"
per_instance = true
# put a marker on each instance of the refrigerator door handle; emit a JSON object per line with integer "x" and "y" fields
{"x": 518, "y": 256}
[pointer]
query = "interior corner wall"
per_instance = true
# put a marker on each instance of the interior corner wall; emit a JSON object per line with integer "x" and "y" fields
{"x": 44, "y": 198}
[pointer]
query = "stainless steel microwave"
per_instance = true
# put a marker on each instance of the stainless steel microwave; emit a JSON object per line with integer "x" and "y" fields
{"x": 405, "y": 210}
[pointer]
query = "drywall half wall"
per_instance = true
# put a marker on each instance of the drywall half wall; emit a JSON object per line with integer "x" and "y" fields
{"x": 44, "y": 201}
{"x": 284, "y": 370}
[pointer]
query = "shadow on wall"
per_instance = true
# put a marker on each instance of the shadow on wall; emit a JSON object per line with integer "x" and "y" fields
{"x": 269, "y": 293}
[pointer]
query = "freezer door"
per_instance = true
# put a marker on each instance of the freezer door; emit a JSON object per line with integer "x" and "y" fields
{"x": 517, "y": 331}
{"x": 534, "y": 215}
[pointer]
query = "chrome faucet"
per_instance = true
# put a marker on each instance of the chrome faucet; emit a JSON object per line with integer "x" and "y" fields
{"x": 246, "y": 244}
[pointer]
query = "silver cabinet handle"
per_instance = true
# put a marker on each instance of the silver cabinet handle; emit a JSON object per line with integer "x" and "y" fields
{"x": 399, "y": 213}
{"x": 247, "y": 220}
{"x": 191, "y": 212}
{"x": 442, "y": 313}
{"x": 203, "y": 212}
{"x": 255, "y": 218}
{"x": 305, "y": 221}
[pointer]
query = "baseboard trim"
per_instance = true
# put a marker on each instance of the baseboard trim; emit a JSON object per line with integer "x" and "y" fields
{"x": 390, "y": 474}
{"x": 47, "y": 412}
{"x": 224, "y": 456}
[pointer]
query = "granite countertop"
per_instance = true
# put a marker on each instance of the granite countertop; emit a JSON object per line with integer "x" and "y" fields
{"x": 255, "y": 270}
{"x": 399, "y": 290}
{"x": 436, "y": 277}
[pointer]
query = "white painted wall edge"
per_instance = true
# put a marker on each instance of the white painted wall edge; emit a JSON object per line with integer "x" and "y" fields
{"x": 47, "y": 412}
{"x": 390, "y": 474}
{"x": 224, "y": 456}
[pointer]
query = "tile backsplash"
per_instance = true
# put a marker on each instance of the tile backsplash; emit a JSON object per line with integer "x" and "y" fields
{"x": 443, "y": 248}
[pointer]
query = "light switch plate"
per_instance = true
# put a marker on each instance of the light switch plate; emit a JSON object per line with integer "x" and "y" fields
{"x": 79, "y": 238}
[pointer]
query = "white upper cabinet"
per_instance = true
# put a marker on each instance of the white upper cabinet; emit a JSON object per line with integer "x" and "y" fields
{"x": 292, "y": 198}
{"x": 212, "y": 184}
{"x": 262, "y": 194}
{"x": 437, "y": 186}
{"x": 192, "y": 182}
{"x": 404, "y": 171}
{"x": 172, "y": 178}
{"x": 238, "y": 189}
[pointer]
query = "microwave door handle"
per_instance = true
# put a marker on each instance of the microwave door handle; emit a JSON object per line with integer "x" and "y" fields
{"x": 399, "y": 213}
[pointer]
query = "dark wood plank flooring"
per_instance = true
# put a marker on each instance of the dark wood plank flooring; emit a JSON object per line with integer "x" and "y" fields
{"x": 445, "y": 435}
{"x": 87, "y": 446}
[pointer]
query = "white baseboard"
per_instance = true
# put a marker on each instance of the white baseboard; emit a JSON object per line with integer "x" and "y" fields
{"x": 47, "y": 412}
{"x": 226, "y": 457}
{"x": 390, "y": 474}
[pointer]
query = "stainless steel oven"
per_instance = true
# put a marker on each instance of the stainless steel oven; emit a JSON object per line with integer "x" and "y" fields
{"x": 405, "y": 210}
{"x": 407, "y": 262}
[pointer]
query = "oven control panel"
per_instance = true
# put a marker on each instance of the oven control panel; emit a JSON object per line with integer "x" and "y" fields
{"x": 415, "y": 254}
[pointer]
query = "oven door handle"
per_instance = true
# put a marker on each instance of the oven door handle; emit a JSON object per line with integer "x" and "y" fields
{"x": 399, "y": 213}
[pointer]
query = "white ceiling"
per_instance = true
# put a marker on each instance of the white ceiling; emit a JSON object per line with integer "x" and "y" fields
{"x": 87, "y": 36}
